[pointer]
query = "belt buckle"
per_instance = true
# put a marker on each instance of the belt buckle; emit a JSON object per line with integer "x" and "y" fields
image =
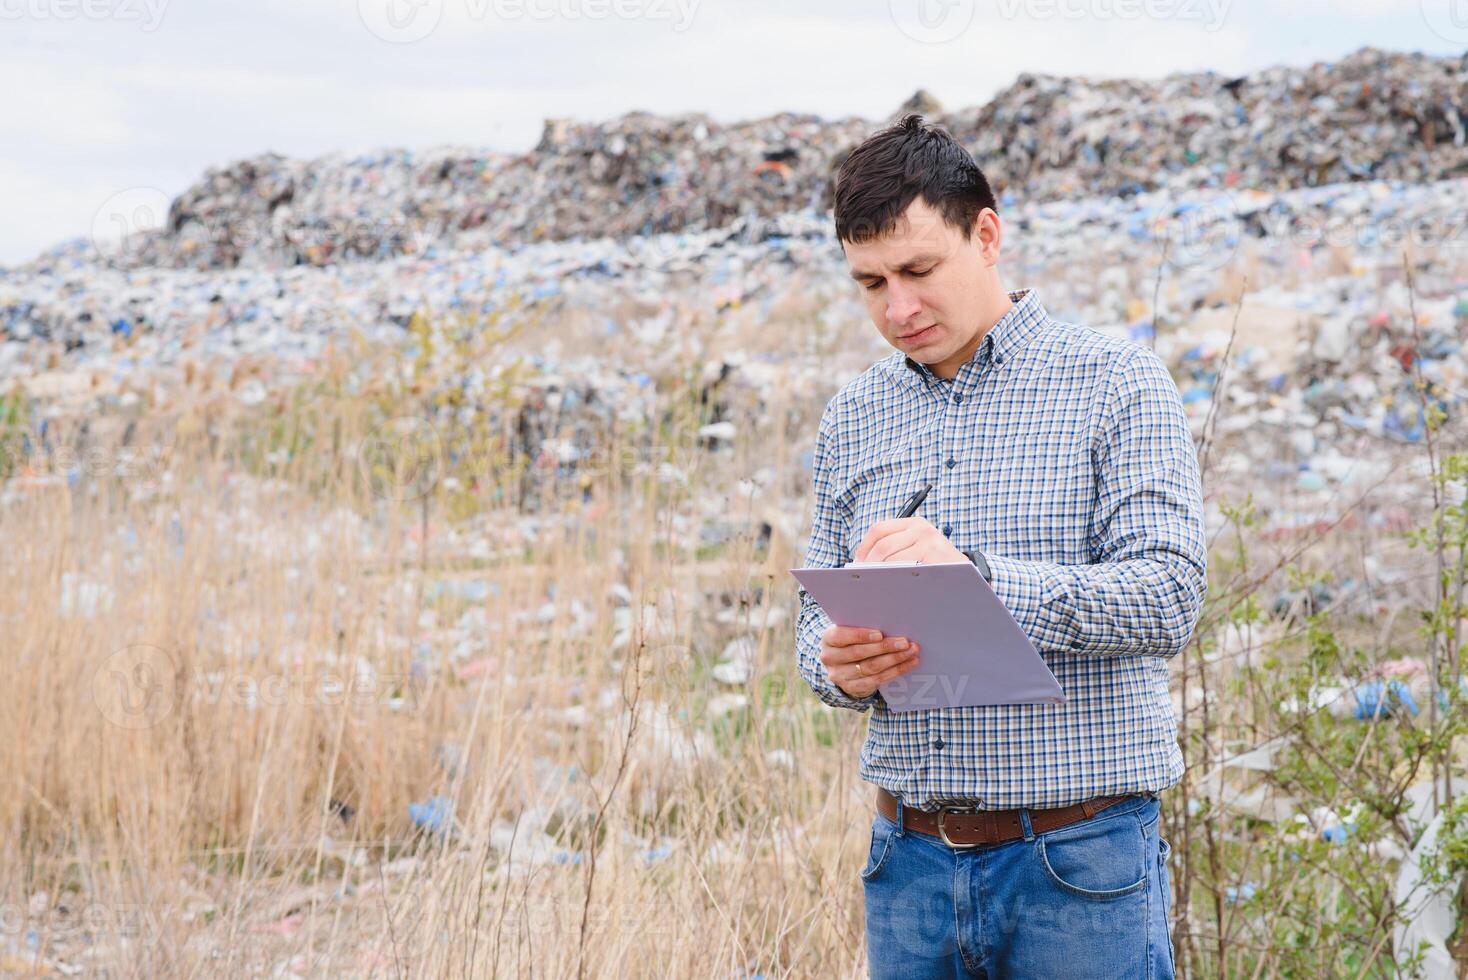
{"x": 943, "y": 811}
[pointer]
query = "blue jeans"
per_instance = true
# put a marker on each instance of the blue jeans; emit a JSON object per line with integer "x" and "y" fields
{"x": 1087, "y": 900}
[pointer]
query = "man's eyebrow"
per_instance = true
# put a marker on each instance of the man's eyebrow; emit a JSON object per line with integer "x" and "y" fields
{"x": 908, "y": 266}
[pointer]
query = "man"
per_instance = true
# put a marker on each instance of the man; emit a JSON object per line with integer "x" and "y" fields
{"x": 1010, "y": 840}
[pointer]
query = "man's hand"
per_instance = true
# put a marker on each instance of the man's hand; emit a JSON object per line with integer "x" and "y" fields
{"x": 907, "y": 539}
{"x": 859, "y": 659}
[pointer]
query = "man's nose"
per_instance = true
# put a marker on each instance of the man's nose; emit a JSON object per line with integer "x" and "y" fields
{"x": 902, "y": 305}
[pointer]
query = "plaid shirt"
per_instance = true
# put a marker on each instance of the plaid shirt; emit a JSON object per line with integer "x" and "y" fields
{"x": 1065, "y": 457}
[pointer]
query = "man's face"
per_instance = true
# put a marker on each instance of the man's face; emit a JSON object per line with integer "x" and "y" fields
{"x": 928, "y": 289}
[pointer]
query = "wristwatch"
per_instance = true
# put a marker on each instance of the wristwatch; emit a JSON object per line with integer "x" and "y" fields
{"x": 981, "y": 563}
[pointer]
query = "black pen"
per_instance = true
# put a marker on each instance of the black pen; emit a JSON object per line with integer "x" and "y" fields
{"x": 915, "y": 501}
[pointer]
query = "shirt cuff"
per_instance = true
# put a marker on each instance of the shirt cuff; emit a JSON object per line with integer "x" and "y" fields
{"x": 1036, "y": 594}
{"x": 838, "y": 698}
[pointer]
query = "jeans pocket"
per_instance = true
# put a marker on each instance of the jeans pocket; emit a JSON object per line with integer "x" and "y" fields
{"x": 877, "y": 851}
{"x": 1164, "y": 851}
{"x": 1101, "y": 858}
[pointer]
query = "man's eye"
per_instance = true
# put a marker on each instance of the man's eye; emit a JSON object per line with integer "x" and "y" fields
{"x": 919, "y": 275}
{"x": 873, "y": 286}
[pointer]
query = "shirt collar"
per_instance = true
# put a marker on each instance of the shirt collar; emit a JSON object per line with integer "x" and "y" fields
{"x": 1012, "y": 331}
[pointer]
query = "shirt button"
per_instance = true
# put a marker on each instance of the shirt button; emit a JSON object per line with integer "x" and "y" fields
{"x": 947, "y": 529}
{"x": 958, "y": 398}
{"x": 950, "y": 462}
{"x": 938, "y": 743}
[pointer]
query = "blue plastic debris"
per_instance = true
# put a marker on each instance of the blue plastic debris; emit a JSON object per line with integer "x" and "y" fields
{"x": 468, "y": 590}
{"x": 1376, "y": 698}
{"x": 1242, "y": 893}
{"x": 435, "y": 814}
{"x": 1394, "y": 425}
{"x": 1310, "y": 481}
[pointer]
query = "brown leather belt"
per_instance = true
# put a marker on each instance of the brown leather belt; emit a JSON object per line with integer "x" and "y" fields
{"x": 966, "y": 827}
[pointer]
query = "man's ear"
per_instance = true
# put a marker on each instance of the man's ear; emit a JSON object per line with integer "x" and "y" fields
{"x": 990, "y": 232}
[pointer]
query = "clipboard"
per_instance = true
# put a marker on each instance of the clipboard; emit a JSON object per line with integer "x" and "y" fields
{"x": 973, "y": 652}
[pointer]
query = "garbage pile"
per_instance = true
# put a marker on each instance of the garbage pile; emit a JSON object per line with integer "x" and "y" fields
{"x": 1374, "y": 115}
{"x": 638, "y": 175}
{"x": 1326, "y": 343}
{"x": 121, "y": 323}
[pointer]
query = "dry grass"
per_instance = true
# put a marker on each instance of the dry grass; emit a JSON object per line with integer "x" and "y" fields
{"x": 228, "y": 690}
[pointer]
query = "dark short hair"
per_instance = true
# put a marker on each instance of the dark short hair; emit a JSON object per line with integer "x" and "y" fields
{"x": 892, "y": 168}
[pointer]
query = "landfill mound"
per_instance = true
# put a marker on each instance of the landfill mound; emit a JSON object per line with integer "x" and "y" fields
{"x": 638, "y": 175}
{"x": 1330, "y": 339}
{"x": 1374, "y": 115}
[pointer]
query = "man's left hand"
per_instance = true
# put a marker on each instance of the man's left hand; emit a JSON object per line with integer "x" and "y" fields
{"x": 907, "y": 539}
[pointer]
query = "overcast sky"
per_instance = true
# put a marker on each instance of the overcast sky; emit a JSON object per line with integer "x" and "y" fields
{"x": 111, "y": 95}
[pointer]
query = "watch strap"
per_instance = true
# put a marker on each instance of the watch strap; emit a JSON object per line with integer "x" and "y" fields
{"x": 981, "y": 563}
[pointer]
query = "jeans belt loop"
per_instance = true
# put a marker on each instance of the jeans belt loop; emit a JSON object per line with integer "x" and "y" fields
{"x": 1024, "y": 824}
{"x": 900, "y": 828}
